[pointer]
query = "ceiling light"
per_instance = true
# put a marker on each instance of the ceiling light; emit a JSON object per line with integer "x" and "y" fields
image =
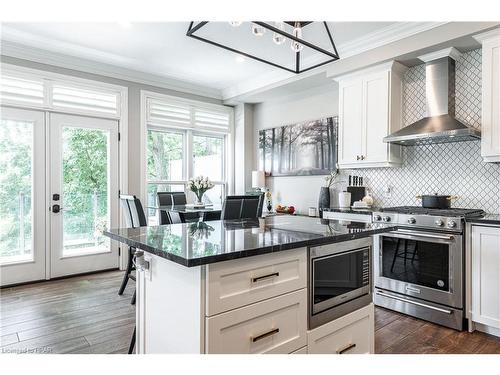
{"x": 240, "y": 59}
{"x": 297, "y": 32}
{"x": 258, "y": 30}
{"x": 319, "y": 44}
{"x": 277, "y": 37}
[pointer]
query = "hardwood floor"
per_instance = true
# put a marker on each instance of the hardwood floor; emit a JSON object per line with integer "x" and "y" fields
{"x": 400, "y": 334}
{"x": 85, "y": 314}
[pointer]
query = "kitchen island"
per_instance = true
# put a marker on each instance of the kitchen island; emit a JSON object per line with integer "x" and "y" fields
{"x": 238, "y": 286}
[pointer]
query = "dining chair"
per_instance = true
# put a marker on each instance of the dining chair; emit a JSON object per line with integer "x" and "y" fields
{"x": 211, "y": 215}
{"x": 240, "y": 207}
{"x": 176, "y": 217}
{"x": 178, "y": 198}
{"x": 134, "y": 217}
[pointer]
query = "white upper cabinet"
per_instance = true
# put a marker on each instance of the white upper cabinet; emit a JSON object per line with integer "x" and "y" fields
{"x": 490, "y": 115}
{"x": 369, "y": 110}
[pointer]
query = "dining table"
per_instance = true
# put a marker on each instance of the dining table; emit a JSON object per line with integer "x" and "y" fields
{"x": 191, "y": 212}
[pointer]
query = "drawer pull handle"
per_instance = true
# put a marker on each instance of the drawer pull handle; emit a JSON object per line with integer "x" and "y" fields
{"x": 255, "y": 279}
{"x": 264, "y": 335}
{"x": 346, "y": 348}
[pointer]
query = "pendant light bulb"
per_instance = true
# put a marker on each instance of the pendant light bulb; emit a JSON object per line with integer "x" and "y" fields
{"x": 278, "y": 38}
{"x": 258, "y": 30}
{"x": 235, "y": 23}
{"x": 297, "y": 32}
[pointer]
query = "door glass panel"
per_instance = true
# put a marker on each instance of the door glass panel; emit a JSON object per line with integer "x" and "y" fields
{"x": 417, "y": 262}
{"x": 86, "y": 211}
{"x": 16, "y": 182}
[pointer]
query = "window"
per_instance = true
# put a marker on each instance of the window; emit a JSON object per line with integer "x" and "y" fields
{"x": 185, "y": 139}
{"x": 42, "y": 90}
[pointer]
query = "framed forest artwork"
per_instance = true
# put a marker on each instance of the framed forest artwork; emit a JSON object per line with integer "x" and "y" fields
{"x": 304, "y": 149}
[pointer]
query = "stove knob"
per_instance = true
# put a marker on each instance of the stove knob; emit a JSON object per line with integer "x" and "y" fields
{"x": 439, "y": 222}
{"x": 377, "y": 217}
{"x": 387, "y": 218}
{"x": 412, "y": 220}
{"x": 452, "y": 224}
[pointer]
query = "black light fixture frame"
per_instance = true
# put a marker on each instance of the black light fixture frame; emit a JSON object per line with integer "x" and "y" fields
{"x": 334, "y": 56}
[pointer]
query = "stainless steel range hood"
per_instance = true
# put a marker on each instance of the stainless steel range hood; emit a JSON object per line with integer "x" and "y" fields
{"x": 440, "y": 125}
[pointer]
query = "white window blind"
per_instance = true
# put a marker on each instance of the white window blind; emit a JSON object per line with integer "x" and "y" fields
{"x": 48, "y": 92}
{"x": 27, "y": 91}
{"x": 84, "y": 99}
{"x": 187, "y": 115}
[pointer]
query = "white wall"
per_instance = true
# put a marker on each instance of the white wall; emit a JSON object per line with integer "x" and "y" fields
{"x": 301, "y": 192}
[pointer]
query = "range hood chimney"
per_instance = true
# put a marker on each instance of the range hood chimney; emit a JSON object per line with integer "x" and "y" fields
{"x": 440, "y": 124}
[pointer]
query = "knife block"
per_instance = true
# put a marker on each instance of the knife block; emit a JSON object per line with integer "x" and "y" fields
{"x": 357, "y": 193}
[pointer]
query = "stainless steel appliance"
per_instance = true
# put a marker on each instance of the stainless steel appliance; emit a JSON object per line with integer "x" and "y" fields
{"x": 339, "y": 279}
{"x": 440, "y": 124}
{"x": 419, "y": 268}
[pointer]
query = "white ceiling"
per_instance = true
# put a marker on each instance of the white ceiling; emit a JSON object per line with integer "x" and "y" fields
{"x": 160, "y": 48}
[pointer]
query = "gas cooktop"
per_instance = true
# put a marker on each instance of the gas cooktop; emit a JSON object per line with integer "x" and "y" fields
{"x": 449, "y": 212}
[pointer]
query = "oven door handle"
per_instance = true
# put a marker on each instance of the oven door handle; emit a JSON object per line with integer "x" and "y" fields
{"x": 409, "y": 234}
{"x": 414, "y": 303}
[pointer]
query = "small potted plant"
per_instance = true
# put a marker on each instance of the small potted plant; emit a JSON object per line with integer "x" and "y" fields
{"x": 199, "y": 185}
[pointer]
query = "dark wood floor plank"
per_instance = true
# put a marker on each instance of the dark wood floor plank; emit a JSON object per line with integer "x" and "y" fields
{"x": 65, "y": 316}
{"x": 91, "y": 319}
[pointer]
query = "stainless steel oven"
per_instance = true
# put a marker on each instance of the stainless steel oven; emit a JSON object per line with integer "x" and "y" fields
{"x": 420, "y": 272}
{"x": 339, "y": 279}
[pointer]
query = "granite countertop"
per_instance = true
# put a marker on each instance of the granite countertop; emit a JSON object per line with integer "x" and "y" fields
{"x": 194, "y": 244}
{"x": 350, "y": 210}
{"x": 486, "y": 219}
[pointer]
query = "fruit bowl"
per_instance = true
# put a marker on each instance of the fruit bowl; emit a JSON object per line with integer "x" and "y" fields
{"x": 285, "y": 209}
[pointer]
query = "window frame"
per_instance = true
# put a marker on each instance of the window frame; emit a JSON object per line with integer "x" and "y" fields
{"x": 189, "y": 131}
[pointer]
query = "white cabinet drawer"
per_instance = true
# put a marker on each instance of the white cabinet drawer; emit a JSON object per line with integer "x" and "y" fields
{"x": 241, "y": 282}
{"x": 350, "y": 334}
{"x": 277, "y": 325}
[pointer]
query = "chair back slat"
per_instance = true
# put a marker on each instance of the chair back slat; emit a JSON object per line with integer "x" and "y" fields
{"x": 133, "y": 211}
{"x": 240, "y": 207}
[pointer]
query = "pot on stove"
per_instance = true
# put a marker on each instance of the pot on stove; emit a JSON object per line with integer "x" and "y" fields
{"x": 437, "y": 201}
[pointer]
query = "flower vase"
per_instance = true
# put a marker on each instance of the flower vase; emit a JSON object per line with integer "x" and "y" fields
{"x": 199, "y": 199}
{"x": 324, "y": 200}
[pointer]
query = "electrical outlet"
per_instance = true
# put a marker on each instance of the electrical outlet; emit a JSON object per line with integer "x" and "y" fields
{"x": 388, "y": 191}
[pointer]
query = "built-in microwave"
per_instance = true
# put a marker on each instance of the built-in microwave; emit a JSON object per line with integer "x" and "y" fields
{"x": 339, "y": 279}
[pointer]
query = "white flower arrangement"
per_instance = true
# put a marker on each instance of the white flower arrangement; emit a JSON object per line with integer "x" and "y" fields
{"x": 199, "y": 185}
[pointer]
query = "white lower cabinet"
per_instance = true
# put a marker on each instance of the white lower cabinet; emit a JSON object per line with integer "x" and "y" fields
{"x": 276, "y": 325}
{"x": 350, "y": 334}
{"x": 176, "y": 314}
{"x": 486, "y": 276}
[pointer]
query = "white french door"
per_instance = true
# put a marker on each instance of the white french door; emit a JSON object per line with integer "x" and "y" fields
{"x": 83, "y": 193}
{"x": 22, "y": 196}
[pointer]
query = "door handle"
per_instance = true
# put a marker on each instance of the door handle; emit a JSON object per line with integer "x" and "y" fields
{"x": 56, "y": 208}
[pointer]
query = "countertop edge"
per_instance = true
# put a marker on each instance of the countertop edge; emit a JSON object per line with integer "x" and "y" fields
{"x": 247, "y": 253}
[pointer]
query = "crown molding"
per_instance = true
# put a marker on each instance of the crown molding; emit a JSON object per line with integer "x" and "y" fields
{"x": 495, "y": 33}
{"x": 14, "y": 43}
{"x": 389, "y": 34}
{"x": 451, "y": 52}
